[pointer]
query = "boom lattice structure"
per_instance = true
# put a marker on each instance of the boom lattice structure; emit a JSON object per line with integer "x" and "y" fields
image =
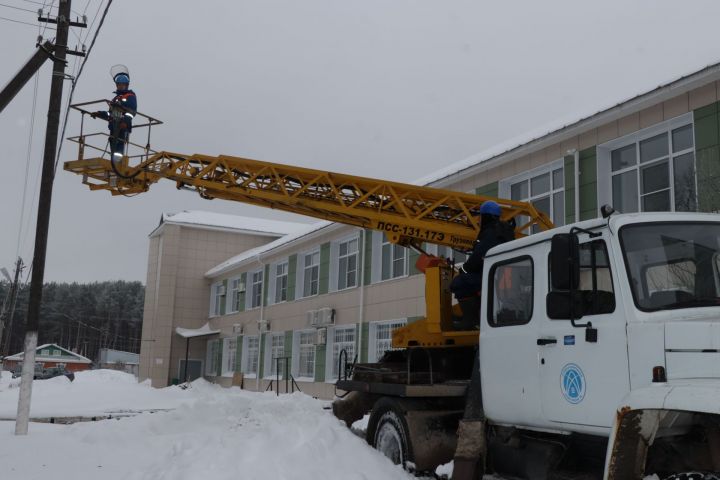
{"x": 408, "y": 214}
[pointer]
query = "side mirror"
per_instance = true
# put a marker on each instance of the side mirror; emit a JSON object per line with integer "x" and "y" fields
{"x": 565, "y": 262}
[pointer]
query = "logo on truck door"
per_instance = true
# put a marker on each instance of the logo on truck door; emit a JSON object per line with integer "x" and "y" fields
{"x": 572, "y": 383}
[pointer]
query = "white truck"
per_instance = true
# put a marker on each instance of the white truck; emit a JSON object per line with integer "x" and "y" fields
{"x": 599, "y": 357}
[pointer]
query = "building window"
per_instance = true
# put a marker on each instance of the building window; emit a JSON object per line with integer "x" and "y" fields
{"x": 394, "y": 259}
{"x": 250, "y": 352}
{"x": 218, "y": 294}
{"x": 276, "y": 349}
{"x": 229, "y": 356}
{"x": 381, "y": 337}
{"x": 211, "y": 360}
{"x": 306, "y": 354}
{"x": 281, "y": 282}
{"x": 511, "y": 292}
{"x": 343, "y": 339}
{"x": 443, "y": 251}
{"x": 311, "y": 274}
{"x": 544, "y": 189}
{"x": 347, "y": 264}
{"x": 256, "y": 290}
{"x": 45, "y": 352}
{"x": 235, "y": 292}
{"x": 655, "y": 174}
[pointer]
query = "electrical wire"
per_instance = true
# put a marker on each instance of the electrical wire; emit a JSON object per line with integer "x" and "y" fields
{"x": 21, "y": 22}
{"x": 77, "y": 77}
{"x": 44, "y": 3}
{"x": 27, "y": 162}
{"x": 17, "y": 8}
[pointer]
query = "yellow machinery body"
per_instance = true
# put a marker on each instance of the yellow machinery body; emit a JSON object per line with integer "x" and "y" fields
{"x": 410, "y": 215}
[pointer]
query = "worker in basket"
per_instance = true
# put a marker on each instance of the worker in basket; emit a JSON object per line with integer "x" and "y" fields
{"x": 467, "y": 284}
{"x": 123, "y": 108}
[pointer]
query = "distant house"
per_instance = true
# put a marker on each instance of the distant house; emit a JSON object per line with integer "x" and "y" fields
{"x": 51, "y": 355}
{"x": 119, "y": 360}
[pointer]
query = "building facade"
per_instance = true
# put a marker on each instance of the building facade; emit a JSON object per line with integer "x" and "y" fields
{"x": 312, "y": 294}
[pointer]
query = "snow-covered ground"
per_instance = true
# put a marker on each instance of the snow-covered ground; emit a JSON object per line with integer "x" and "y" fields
{"x": 209, "y": 433}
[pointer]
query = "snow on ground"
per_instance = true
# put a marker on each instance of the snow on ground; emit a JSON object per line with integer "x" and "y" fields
{"x": 211, "y": 433}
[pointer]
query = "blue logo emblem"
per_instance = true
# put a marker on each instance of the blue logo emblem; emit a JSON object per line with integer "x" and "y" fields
{"x": 572, "y": 383}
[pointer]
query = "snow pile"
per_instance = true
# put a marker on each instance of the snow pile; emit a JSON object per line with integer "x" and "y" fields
{"x": 93, "y": 393}
{"x": 212, "y": 433}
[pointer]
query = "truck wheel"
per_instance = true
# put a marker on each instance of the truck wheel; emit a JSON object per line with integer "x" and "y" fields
{"x": 389, "y": 434}
{"x": 693, "y": 476}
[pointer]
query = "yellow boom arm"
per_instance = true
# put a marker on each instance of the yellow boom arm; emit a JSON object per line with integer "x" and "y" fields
{"x": 408, "y": 214}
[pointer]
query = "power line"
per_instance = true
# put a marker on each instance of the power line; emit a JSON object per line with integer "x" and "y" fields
{"x": 27, "y": 162}
{"x": 19, "y": 21}
{"x": 18, "y": 8}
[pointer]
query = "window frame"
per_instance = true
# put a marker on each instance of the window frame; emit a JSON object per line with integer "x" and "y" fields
{"x": 268, "y": 372}
{"x": 330, "y": 373}
{"x": 491, "y": 290}
{"x": 505, "y": 187}
{"x": 297, "y": 354}
{"x": 372, "y": 354}
{"x": 232, "y": 298}
{"x": 393, "y": 246}
{"x": 246, "y": 359}
{"x": 302, "y": 270}
{"x": 606, "y": 174}
{"x": 216, "y": 299}
{"x": 275, "y": 278}
{"x": 226, "y": 357}
{"x": 250, "y": 299}
{"x": 339, "y": 258}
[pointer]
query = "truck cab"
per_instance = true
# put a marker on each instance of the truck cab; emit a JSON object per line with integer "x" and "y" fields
{"x": 642, "y": 309}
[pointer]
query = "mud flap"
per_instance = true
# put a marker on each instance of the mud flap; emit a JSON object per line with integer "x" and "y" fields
{"x": 353, "y": 407}
{"x": 433, "y": 437}
{"x": 469, "y": 463}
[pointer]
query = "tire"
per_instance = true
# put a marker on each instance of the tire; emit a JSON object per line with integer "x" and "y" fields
{"x": 693, "y": 476}
{"x": 388, "y": 433}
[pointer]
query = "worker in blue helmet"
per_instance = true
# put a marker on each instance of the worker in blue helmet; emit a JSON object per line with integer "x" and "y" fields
{"x": 123, "y": 109}
{"x": 467, "y": 284}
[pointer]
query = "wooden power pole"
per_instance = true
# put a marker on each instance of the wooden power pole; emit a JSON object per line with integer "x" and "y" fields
{"x": 43, "y": 217}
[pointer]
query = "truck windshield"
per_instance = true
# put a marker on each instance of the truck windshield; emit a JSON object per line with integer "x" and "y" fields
{"x": 673, "y": 265}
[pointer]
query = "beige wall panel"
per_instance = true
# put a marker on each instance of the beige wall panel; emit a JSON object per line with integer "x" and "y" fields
{"x": 587, "y": 139}
{"x": 676, "y": 106}
{"x": 570, "y": 144}
{"x": 629, "y": 124}
{"x": 702, "y": 96}
{"x": 651, "y": 115}
{"x": 607, "y": 132}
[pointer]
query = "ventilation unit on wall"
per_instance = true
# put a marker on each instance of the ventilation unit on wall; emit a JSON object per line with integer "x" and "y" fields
{"x": 241, "y": 287}
{"x": 263, "y": 326}
{"x": 320, "y": 317}
{"x": 221, "y": 290}
{"x": 237, "y": 328}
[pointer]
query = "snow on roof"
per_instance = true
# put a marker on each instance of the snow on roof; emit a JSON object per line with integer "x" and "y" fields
{"x": 233, "y": 262}
{"x": 195, "y": 332}
{"x": 235, "y": 222}
{"x": 77, "y": 358}
{"x": 578, "y": 120}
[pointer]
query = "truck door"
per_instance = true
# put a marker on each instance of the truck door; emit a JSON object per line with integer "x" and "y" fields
{"x": 509, "y": 327}
{"x": 583, "y": 380}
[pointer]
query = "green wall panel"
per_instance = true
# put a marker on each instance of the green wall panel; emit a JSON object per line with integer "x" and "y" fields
{"x": 238, "y": 355}
{"x": 266, "y": 284}
{"x": 324, "y": 277}
{"x": 367, "y": 257}
{"x": 261, "y": 361}
{"x": 707, "y": 156}
{"x": 292, "y": 272}
{"x": 569, "y": 188}
{"x": 320, "y": 363}
{"x": 489, "y": 190}
{"x": 588, "y": 183}
{"x": 288, "y": 349}
{"x": 223, "y": 305}
{"x": 365, "y": 335}
{"x": 412, "y": 258}
{"x": 241, "y": 295}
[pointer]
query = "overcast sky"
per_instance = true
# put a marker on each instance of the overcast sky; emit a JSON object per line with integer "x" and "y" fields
{"x": 390, "y": 89}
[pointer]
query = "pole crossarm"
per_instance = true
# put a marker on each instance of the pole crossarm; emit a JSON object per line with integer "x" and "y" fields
{"x": 408, "y": 214}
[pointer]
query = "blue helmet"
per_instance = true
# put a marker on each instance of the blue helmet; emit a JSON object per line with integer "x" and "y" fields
{"x": 122, "y": 78}
{"x": 490, "y": 208}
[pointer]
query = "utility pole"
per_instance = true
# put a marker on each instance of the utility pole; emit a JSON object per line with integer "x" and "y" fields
{"x": 7, "y": 315}
{"x": 43, "y": 217}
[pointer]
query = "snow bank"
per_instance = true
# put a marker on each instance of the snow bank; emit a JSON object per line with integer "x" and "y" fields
{"x": 212, "y": 433}
{"x": 94, "y": 392}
